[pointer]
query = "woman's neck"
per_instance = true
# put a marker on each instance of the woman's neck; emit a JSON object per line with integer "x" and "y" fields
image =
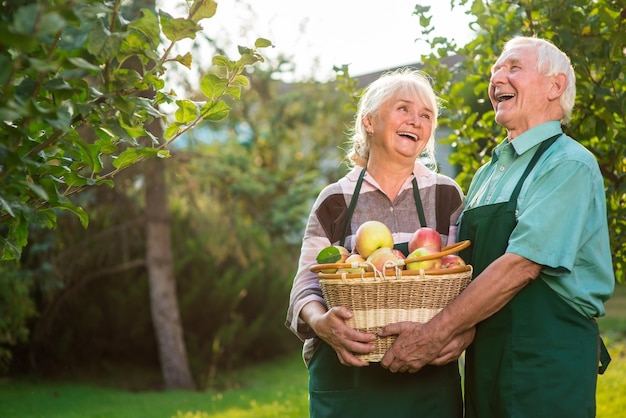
{"x": 390, "y": 176}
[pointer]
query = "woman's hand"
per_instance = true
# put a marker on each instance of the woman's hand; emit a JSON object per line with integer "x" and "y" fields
{"x": 330, "y": 326}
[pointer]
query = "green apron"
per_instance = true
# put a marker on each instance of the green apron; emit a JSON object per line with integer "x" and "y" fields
{"x": 537, "y": 357}
{"x": 340, "y": 391}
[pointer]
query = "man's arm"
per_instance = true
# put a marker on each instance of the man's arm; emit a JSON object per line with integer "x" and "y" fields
{"x": 419, "y": 344}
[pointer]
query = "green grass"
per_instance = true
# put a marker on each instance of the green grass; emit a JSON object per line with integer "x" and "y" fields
{"x": 274, "y": 390}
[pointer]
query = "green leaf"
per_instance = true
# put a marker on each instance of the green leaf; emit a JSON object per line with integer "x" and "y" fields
{"x": 176, "y": 29}
{"x": 17, "y": 238}
{"x": 76, "y": 210}
{"x": 23, "y": 22}
{"x": 37, "y": 189}
{"x": 262, "y": 43}
{"x": 148, "y": 24}
{"x": 128, "y": 157}
{"x": 221, "y": 61}
{"x": 186, "y": 59}
{"x": 63, "y": 119}
{"x": 215, "y": 111}
{"x": 234, "y": 91}
{"x": 187, "y": 111}
{"x": 6, "y": 206}
{"x": 212, "y": 86}
{"x": 76, "y": 180}
{"x": 171, "y": 130}
{"x": 131, "y": 155}
{"x": 202, "y": 9}
{"x": 328, "y": 255}
{"x": 49, "y": 25}
{"x": 102, "y": 43}
{"x": 242, "y": 80}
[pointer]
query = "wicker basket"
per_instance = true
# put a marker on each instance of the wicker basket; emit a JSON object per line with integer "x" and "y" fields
{"x": 380, "y": 298}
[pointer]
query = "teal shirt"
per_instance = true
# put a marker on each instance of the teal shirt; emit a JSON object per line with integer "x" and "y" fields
{"x": 561, "y": 214}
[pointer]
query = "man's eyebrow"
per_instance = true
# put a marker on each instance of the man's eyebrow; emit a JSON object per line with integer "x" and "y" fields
{"x": 508, "y": 61}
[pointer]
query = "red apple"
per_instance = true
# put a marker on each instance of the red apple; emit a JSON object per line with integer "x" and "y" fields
{"x": 451, "y": 261}
{"x": 425, "y": 237}
{"x": 399, "y": 253}
{"x": 431, "y": 264}
{"x": 355, "y": 260}
{"x": 382, "y": 259}
{"x": 370, "y": 236}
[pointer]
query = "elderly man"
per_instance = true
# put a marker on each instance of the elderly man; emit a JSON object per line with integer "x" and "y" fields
{"x": 536, "y": 216}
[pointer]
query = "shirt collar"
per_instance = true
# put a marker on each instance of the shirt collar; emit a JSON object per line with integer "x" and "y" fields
{"x": 530, "y": 138}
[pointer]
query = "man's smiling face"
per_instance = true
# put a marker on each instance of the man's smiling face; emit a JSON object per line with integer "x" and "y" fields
{"x": 519, "y": 93}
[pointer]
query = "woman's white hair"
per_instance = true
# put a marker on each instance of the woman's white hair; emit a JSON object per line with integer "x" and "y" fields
{"x": 388, "y": 86}
{"x": 551, "y": 61}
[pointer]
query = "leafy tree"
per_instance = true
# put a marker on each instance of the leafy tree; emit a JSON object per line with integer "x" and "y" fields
{"x": 73, "y": 110}
{"x": 593, "y": 34}
{"x": 81, "y": 88}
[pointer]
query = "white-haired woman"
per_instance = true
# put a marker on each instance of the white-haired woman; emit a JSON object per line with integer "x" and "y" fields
{"x": 394, "y": 130}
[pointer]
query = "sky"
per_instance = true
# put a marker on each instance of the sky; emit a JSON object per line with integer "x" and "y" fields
{"x": 368, "y": 35}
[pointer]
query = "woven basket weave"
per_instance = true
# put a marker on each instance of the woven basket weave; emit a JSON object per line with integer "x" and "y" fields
{"x": 380, "y": 298}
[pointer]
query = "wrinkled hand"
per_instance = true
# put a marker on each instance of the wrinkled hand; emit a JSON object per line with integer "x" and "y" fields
{"x": 453, "y": 350}
{"x": 331, "y": 328}
{"x": 415, "y": 346}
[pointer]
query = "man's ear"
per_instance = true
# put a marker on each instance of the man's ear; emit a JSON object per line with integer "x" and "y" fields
{"x": 558, "y": 83}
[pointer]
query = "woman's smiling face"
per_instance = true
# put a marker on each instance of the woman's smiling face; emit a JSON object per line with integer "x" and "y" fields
{"x": 402, "y": 127}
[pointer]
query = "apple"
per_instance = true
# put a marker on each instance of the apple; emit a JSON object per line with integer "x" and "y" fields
{"x": 332, "y": 254}
{"x": 451, "y": 261}
{"x": 354, "y": 259}
{"x": 370, "y": 236}
{"x": 382, "y": 259}
{"x": 432, "y": 264}
{"x": 425, "y": 237}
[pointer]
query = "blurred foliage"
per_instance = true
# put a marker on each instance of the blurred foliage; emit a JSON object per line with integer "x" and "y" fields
{"x": 592, "y": 34}
{"x": 79, "y": 85}
{"x": 239, "y": 195}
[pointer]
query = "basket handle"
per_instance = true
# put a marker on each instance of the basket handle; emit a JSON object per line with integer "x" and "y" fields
{"x": 450, "y": 249}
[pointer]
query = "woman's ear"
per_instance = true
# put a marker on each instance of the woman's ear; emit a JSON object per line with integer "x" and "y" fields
{"x": 367, "y": 122}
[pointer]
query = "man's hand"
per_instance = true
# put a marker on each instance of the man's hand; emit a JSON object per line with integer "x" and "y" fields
{"x": 331, "y": 328}
{"x": 453, "y": 350}
{"x": 416, "y": 346}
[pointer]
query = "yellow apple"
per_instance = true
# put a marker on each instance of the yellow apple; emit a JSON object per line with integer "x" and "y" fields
{"x": 370, "y": 236}
{"x": 431, "y": 264}
{"x": 355, "y": 260}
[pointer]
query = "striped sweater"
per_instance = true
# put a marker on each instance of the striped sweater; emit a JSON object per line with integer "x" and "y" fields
{"x": 442, "y": 200}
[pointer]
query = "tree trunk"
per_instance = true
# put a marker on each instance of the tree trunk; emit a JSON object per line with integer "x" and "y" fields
{"x": 159, "y": 260}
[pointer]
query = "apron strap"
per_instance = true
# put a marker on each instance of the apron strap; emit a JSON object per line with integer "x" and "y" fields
{"x": 418, "y": 203}
{"x": 355, "y": 198}
{"x": 604, "y": 356}
{"x": 542, "y": 148}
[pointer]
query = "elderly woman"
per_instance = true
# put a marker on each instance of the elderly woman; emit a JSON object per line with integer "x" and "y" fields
{"x": 394, "y": 128}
